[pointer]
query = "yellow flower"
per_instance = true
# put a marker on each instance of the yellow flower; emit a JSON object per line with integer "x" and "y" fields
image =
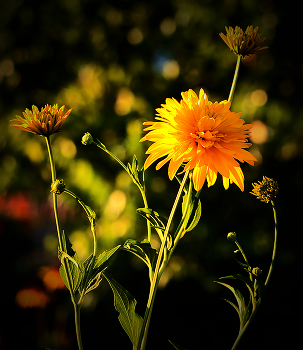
{"x": 265, "y": 190}
{"x": 243, "y": 43}
{"x": 45, "y": 122}
{"x": 204, "y": 136}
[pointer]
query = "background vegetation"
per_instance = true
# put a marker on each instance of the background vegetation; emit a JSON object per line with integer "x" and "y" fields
{"x": 114, "y": 62}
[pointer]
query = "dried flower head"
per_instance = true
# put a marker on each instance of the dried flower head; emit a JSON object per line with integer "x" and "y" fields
{"x": 204, "y": 136}
{"x": 243, "y": 43}
{"x": 45, "y": 122}
{"x": 265, "y": 190}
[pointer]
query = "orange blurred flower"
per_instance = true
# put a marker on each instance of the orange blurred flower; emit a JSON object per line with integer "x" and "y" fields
{"x": 45, "y": 122}
{"x": 206, "y": 137}
{"x": 51, "y": 278}
{"x": 27, "y": 298}
{"x": 243, "y": 43}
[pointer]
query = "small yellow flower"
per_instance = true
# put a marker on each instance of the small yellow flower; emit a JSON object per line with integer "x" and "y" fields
{"x": 45, "y": 122}
{"x": 203, "y": 136}
{"x": 265, "y": 190}
{"x": 243, "y": 43}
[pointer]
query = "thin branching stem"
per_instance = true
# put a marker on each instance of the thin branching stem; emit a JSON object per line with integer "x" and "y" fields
{"x": 157, "y": 274}
{"x": 234, "y": 83}
{"x": 59, "y": 231}
{"x": 141, "y": 189}
{"x": 273, "y": 258}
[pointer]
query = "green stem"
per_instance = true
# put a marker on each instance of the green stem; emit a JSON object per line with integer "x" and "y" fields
{"x": 266, "y": 282}
{"x": 93, "y": 229}
{"x": 182, "y": 223}
{"x": 138, "y": 184}
{"x": 240, "y": 335}
{"x": 146, "y": 207}
{"x": 234, "y": 83}
{"x": 250, "y": 274}
{"x": 59, "y": 232}
{"x": 275, "y": 244}
{"x": 77, "y": 325}
{"x": 157, "y": 274}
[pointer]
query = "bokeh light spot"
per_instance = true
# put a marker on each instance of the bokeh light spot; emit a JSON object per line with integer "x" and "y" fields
{"x": 67, "y": 148}
{"x": 30, "y": 297}
{"x": 258, "y": 132}
{"x": 168, "y": 26}
{"x": 135, "y": 36}
{"x": 34, "y": 151}
{"x": 171, "y": 69}
{"x": 124, "y": 101}
{"x": 116, "y": 204}
{"x": 259, "y": 97}
{"x": 80, "y": 242}
{"x": 51, "y": 278}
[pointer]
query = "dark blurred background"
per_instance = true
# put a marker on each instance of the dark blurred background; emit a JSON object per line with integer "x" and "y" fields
{"x": 115, "y": 62}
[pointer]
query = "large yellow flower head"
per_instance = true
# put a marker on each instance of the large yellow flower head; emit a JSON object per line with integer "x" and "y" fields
{"x": 204, "y": 136}
{"x": 45, "y": 122}
{"x": 243, "y": 43}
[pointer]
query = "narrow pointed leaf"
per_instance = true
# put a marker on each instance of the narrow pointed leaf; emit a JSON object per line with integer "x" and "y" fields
{"x": 242, "y": 308}
{"x": 177, "y": 346}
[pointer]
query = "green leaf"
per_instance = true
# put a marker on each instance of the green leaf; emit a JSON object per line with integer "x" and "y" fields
{"x": 125, "y": 304}
{"x": 196, "y": 217}
{"x": 135, "y": 173}
{"x": 73, "y": 264}
{"x": 104, "y": 259}
{"x": 100, "y": 264}
{"x": 154, "y": 218}
{"x": 93, "y": 283}
{"x": 142, "y": 250}
{"x": 66, "y": 256}
{"x": 246, "y": 280}
{"x": 90, "y": 213}
{"x": 242, "y": 309}
{"x": 177, "y": 346}
{"x": 193, "y": 213}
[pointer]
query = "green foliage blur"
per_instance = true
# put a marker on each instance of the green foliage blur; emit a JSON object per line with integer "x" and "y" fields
{"x": 115, "y": 62}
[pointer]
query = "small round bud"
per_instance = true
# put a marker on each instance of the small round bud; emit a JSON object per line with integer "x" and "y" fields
{"x": 58, "y": 186}
{"x": 256, "y": 271}
{"x": 232, "y": 236}
{"x": 87, "y": 139}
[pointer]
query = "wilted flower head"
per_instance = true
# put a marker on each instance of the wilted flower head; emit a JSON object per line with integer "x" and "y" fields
{"x": 265, "y": 190}
{"x": 45, "y": 122}
{"x": 204, "y": 136}
{"x": 243, "y": 43}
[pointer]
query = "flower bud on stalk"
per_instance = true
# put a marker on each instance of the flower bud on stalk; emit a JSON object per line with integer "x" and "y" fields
{"x": 58, "y": 186}
{"x": 232, "y": 237}
{"x": 87, "y": 139}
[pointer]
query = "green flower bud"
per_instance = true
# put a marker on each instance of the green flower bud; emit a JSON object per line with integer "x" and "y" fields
{"x": 87, "y": 139}
{"x": 232, "y": 237}
{"x": 256, "y": 271}
{"x": 58, "y": 186}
